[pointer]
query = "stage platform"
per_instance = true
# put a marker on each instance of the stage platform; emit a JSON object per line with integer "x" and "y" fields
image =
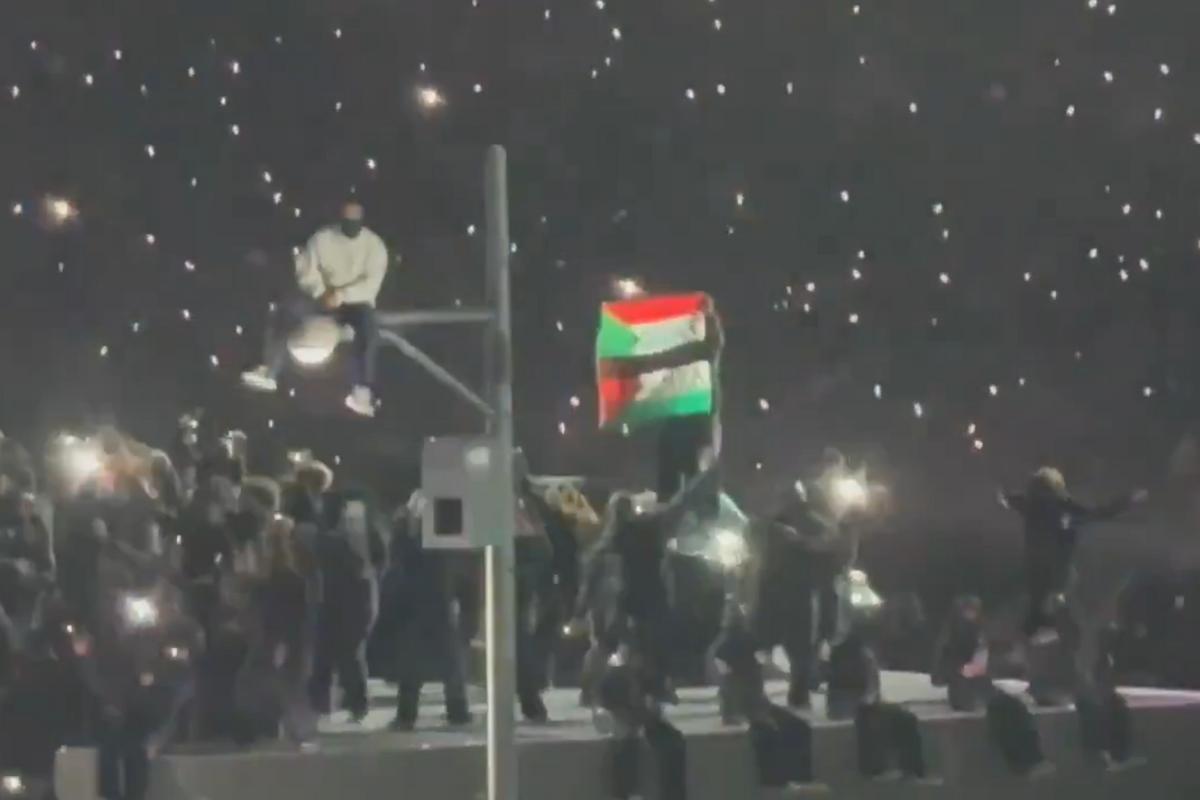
{"x": 564, "y": 759}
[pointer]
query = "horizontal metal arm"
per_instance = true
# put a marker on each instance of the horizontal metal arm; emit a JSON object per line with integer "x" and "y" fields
{"x": 433, "y": 368}
{"x": 450, "y": 316}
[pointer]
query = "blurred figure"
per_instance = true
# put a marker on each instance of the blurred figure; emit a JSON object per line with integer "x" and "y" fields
{"x": 961, "y": 665}
{"x": 421, "y": 601}
{"x": 27, "y": 562}
{"x": 348, "y": 550}
{"x": 339, "y": 273}
{"x": 1053, "y": 520}
{"x": 273, "y": 683}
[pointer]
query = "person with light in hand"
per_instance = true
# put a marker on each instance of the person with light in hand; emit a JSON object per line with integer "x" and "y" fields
{"x": 339, "y": 273}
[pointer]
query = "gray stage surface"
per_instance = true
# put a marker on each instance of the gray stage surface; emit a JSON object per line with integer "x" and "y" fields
{"x": 565, "y": 758}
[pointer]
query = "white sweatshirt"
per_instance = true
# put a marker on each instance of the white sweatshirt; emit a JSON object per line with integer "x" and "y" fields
{"x": 354, "y": 268}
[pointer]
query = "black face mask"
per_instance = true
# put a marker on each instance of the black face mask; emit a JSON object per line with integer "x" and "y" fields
{"x": 351, "y": 227}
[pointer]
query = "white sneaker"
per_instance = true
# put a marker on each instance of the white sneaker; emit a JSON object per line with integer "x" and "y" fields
{"x": 361, "y": 401}
{"x": 260, "y": 379}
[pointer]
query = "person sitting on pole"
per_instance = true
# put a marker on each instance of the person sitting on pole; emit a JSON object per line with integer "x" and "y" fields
{"x": 338, "y": 273}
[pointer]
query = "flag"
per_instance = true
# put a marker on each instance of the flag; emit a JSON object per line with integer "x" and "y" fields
{"x": 653, "y": 359}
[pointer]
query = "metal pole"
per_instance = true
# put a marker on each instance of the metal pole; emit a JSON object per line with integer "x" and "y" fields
{"x": 501, "y": 605}
{"x": 435, "y": 369}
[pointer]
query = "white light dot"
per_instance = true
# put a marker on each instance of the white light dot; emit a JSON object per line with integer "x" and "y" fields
{"x": 278, "y": 40}
{"x": 470, "y": 230}
{"x": 558, "y": 326}
{"x": 1070, "y": 110}
{"x": 562, "y": 428}
{"x": 88, "y": 79}
{"x": 1112, "y": 9}
{"x": 296, "y": 213}
{"x": 190, "y": 266}
{"x": 1147, "y": 391}
{"x": 18, "y": 209}
{"x": 741, "y": 199}
{"x": 721, "y": 89}
{"x": 977, "y": 444}
{"x": 810, "y": 287}
{"x": 1158, "y": 213}
{"x": 1165, "y": 69}
{"x": 478, "y": 88}
{"x": 807, "y": 308}
{"x": 266, "y": 176}
{"x": 1079, "y": 355}
{"x": 1028, "y": 277}
{"x": 764, "y": 404}
{"x": 216, "y": 362}
{"x": 595, "y": 74}
{"x": 103, "y": 351}
{"x": 277, "y": 198}
{"x": 512, "y": 248}
{"x": 14, "y": 91}
{"x": 853, "y": 318}
{"x": 845, "y": 196}
{"x": 878, "y": 390}
{"x": 862, "y": 60}
{"x": 238, "y": 329}
{"x": 235, "y": 68}
{"x": 944, "y": 278}
{"x": 970, "y": 429}
{"x": 574, "y": 401}
{"x": 235, "y": 129}
{"x": 1020, "y": 381}
{"x": 1054, "y": 294}
{"x": 337, "y": 106}
{"x": 856, "y": 10}
{"x": 1144, "y": 264}
{"x": 1093, "y": 3}
{"x": 1124, "y": 275}
{"x": 187, "y": 315}
{"x": 616, "y": 34}
{"x": 150, "y": 238}
{"x": 1158, "y": 115}
{"x": 1126, "y": 209}
{"x": 918, "y": 410}
{"x": 912, "y": 107}
{"x": 546, "y": 15}
{"x": 758, "y": 466}
{"x": 150, "y": 151}
{"x": 191, "y": 72}
{"x": 791, "y": 87}
{"x": 144, "y": 90}
{"x": 933, "y": 322}
{"x": 136, "y": 327}
{"x": 1094, "y": 253}
{"x": 118, "y": 55}
{"x": 271, "y": 424}
{"x": 337, "y": 33}
{"x": 1108, "y": 76}
{"x": 194, "y": 183}
{"x": 690, "y": 94}
{"x": 938, "y": 209}
{"x": 856, "y": 274}
{"x": 717, "y": 24}
{"x": 993, "y": 390}
{"x": 1195, "y": 136}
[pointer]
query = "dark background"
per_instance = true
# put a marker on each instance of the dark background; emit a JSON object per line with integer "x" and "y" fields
{"x": 615, "y": 172}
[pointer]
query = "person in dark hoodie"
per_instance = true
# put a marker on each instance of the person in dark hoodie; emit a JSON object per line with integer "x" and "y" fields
{"x": 960, "y": 664}
{"x": 348, "y": 549}
{"x": 420, "y": 604}
{"x": 624, "y": 592}
{"x": 1053, "y": 520}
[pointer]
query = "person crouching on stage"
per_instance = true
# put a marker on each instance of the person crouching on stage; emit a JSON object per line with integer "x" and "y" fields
{"x": 1053, "y": 520}
{"x": 960, "y": 664}
{"x": 339, "y": 273}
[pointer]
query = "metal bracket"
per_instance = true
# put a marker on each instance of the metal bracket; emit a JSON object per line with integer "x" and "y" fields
{"x": 432, "y": 367}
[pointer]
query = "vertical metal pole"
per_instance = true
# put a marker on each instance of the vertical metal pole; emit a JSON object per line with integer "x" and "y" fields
{"x": 501, "y": 604}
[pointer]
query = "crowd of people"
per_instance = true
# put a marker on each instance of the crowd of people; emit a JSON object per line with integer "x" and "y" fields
{"x": 149, "y": 597}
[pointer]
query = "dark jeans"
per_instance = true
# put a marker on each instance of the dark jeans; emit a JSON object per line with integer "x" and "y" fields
{"x": 1105, "y": 723}
{"x": 1013, "y": 731}
{"x": 669, "y": 749}
{"x": 782, "y": 749}
{"x": 294, "y": 311}
{"x": 124, "y": 760}
{"x": 420, "y": 640}
{"x": 888, "y": 734}
{"x": 341, "y": 649}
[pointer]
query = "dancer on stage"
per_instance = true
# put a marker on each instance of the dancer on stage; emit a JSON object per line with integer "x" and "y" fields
{"x": 1053, "y": 520}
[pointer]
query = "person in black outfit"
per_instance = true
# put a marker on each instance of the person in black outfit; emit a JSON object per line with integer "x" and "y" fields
{"x": 625, "y": 692}
{"x": 420, "y": 600}
{"x": 782, "y": 741}
{"x": 1053, "y": 520}
{"x": 347, "y": 550}
{"x": 624, "y": 592}
{"x": 888, "y": 735}
{"x": 961, "y": 664}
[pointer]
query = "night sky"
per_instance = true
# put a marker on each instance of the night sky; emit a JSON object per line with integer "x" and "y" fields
{"x": 955, "y": 239}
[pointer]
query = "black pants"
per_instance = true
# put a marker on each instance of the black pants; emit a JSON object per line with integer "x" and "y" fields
{"x": 418, "y": 641}
{"x": 888, "y": 735}
{"x": 296, "y": 310}
{"x": 782, "y": 749}
{"x": 123, "y": 758}
{"x": 1013, "y": 731}
{"x": 1105, "y": 723}
{"x": 341, "y": 650}
{"x": 669, "y": 749}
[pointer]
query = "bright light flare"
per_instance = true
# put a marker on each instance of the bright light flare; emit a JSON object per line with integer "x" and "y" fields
{"x": 139, "y": 611}
{"x": 628, "y": 287}
{"x": 59, "y": 211}
{"x": 430, "y": 98}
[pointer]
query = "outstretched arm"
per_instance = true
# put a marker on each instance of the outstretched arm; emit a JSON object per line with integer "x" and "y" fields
{"x": 1106, "y": 511}
{"x": 700, "y": 487}
{"x": 308, "y": 271}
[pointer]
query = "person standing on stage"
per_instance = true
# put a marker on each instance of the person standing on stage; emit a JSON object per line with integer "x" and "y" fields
{"x": 338, "y": 273}
{"x": 1052, "y": 523}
